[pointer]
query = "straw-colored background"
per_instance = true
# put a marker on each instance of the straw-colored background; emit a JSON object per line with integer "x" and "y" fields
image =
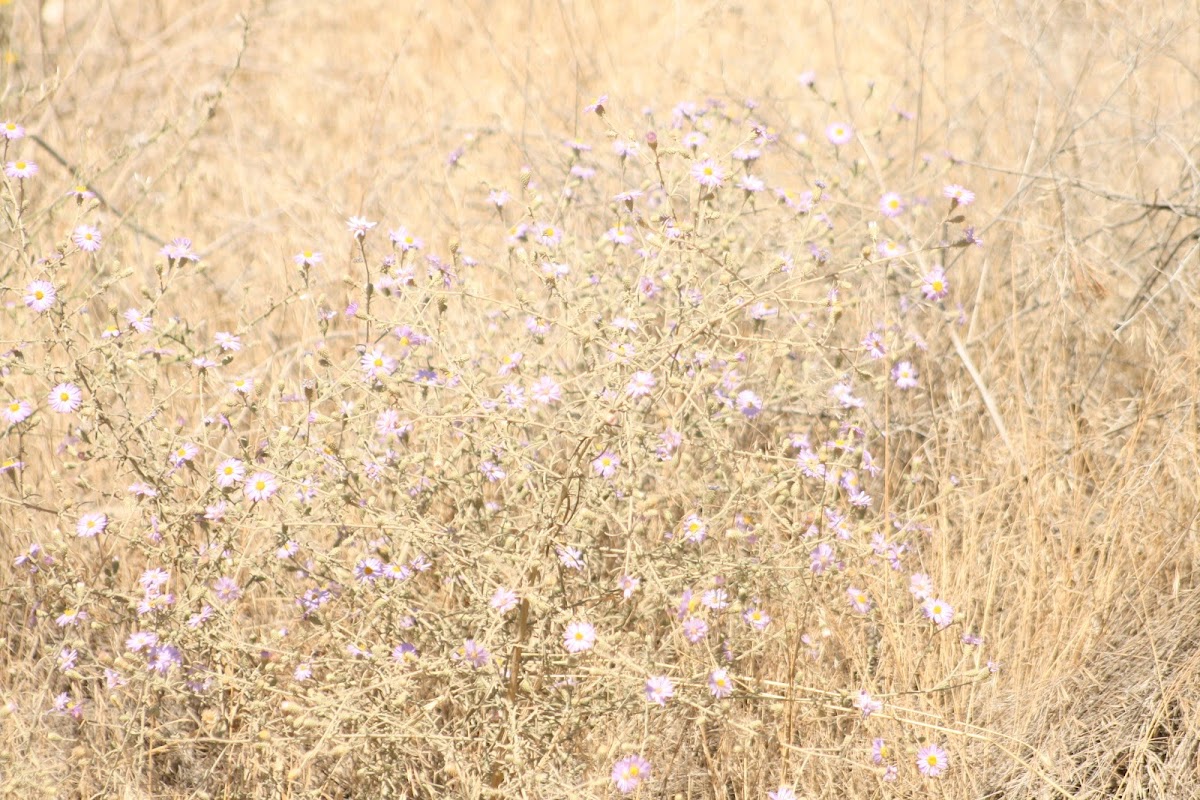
{"x": 256, "y": 130}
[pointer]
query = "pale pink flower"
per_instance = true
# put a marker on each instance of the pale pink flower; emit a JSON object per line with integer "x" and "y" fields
{"x": 227, "y": 589}
{"x": 65, "y": 398}
{"x": 504, "y": 600}
{"x": 405, "y": 241}
{"x": 579, "y": 637}
{"x": 230, "y": 472}
{"x": 694, "y": 629}
{"x": 719, "y": 683}
{"x": 750, "y": 184}
{"x": 866, "y": 704}
{"x": 570, "y": 557}
{"x": 839, "y": 133}
{"x": 40, "y": 296}
{"x": 859, "y": 601}
{"x": 749, "y": 403}
{"x": 359, "y": 226}
{"x": 958, "y": 195}
{"x": 938, "y": 611}
{"x": 905, "y": 375}
{"x": 756, "y": 618}
{"x": 308, "y": 258}
{"x": 920, "y": 585}
{"x": 715, "y": 599}
{"x": 547, "y": 235}
{"x": 694, "y": 528}
{"x": 20, "y": 169}
{"x": 605, "y": 465}
{"x": 629, "y": 772}
{"x": 640, "y": 384}
{"x": 142, "y": 323}
{"x": 141, "y": 640}
{"x": 475, "y": 654}
{"x": 261, "y": 486}
{"x": 152, "y": 580}
{"x": 545, "y": 391}
{"x": 932, "y": 760}
{"x": 183, "y": 453}
{"x": 890, "y": 248}
{"x": 377, "y": 364}
{"x": 179, "y": 249}
{"x": 891, "y": 205}
{"x": 934, "y": 284}
{"x": 17, "y": 411}
{"x": 87, "y": 238}
{"x": 70, "y": 617}
{"x": 91, "y": 524}
{"x": 659, "y": 689}
{"x": 708, "y": 173}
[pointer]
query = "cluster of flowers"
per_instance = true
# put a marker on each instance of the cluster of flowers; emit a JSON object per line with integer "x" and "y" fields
{"x": 666, "y": 422}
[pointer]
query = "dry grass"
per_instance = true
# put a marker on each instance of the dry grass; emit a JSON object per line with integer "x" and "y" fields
{"x": 1043, "y": 474}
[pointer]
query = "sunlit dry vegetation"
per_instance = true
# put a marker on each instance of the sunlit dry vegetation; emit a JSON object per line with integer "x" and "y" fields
{"x": 589, "y": 399}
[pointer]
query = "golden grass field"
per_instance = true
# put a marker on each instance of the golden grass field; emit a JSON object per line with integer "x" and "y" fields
{"x": 1049, "y": 458}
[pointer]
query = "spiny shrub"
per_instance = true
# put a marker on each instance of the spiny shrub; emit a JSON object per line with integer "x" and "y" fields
{"x": 627, "y": 500}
